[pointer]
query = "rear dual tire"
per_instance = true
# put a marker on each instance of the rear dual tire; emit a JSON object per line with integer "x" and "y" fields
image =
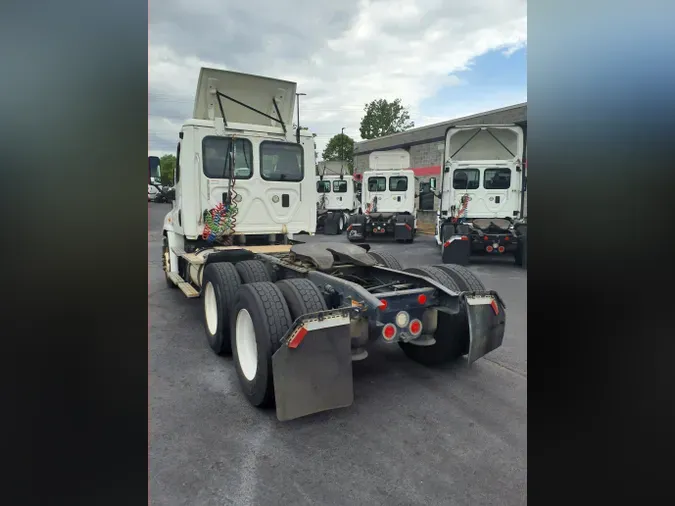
{"x": 452, "y": 331}
{"x": 221, "y": 284}
{"x": 260, "y": 319}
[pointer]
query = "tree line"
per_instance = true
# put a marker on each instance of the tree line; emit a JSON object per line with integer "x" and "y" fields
{"x": 381, "y": 117}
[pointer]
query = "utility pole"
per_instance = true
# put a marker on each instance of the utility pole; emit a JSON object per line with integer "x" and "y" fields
{"x": 297, "y": 131}
{"x": 342, "y": 152}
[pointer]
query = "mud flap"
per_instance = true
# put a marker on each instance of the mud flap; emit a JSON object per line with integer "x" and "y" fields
{"x": 313, "y": 366}
{"x": 487, "y": 322}
{"x": 403, "y": 228}
{"x": 331, "y": 224}
{"x": 456, "y": 250}
{"x": 356, "y": 230}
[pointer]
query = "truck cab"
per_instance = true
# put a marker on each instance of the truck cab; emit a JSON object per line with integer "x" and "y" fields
{"x": 482, "y": 187}
{"x": 241, "y": 174}
{"x": 388, "y": 199}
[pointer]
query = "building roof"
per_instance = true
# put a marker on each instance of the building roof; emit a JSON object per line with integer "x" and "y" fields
{"x": 430, "y": 133}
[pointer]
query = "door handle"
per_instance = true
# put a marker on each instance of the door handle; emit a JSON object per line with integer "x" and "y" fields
{"x": 497, "y": 199}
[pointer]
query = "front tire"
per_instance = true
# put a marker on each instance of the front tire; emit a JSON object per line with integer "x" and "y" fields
{"x": 166, "y": 262}
{"x": 259, "y": 321}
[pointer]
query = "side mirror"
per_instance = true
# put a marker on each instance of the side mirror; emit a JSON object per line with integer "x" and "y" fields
{"x": 432, "y": 183}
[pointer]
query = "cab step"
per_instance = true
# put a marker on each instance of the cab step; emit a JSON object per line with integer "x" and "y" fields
{"x": 185, "y": 287}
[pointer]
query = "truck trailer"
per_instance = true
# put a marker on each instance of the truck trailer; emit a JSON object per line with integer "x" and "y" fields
{"x": 296, "y": 315}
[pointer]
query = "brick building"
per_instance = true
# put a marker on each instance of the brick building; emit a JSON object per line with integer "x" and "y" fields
{"x": 425, "y": 144}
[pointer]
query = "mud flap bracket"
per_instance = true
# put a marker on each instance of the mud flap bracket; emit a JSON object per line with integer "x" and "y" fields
{"x": 312, "y": 368}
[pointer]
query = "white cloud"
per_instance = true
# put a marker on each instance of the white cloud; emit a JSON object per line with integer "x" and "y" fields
{"x": 342, "y": 56}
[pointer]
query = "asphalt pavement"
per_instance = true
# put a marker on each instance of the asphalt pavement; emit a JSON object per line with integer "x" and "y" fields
{"x": 414, "y": 435}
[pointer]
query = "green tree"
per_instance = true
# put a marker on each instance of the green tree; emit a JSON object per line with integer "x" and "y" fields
{"x": 340, "y": 147}
{"x": 384, "y": 118}
{"x": 167, "y": 165}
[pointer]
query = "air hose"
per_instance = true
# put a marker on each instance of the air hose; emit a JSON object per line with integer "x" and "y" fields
{"x": 220, "y": 222}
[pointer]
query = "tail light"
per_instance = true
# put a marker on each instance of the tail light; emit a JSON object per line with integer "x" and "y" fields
{"x": 501, "y": 249}
{"x": 422, "y": 299}
{"x": 489, "y": 249}
{"x": 486, "y": 238}
{"x": 389, "y": 331}
{"x": 415, "y": 327}
{"x": 383, "y": 305}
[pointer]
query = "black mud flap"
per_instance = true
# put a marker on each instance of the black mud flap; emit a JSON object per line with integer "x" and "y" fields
{"x": 313, "y": 366}
{"x": 356, "y": 230}
{"x": 330, "y": 226}
{"x": 403, "y": 228}
{"x": 487, "y": 322}
{"x": 456, "y": 250}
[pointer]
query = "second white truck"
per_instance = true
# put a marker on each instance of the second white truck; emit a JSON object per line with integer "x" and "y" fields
{"x": 388, "y": 199}
{"x": 336, "y": 202}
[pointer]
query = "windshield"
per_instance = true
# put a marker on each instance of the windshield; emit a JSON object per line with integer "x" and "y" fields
{"x": 281, "y": 161}
{"x": 323, "y": 186}
{"x": 218, "y": 157}
{"x": 154, "y": 170}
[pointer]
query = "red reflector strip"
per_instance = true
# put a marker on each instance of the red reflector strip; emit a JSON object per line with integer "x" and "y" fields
{"x": 494, "y": 306}
{"x": 408, "y": 226}
{"x": 446, "y": 244}
{"x": 349, "y": 228}
{"x": 295, "y": 341}
{"x": 465, "y": 238}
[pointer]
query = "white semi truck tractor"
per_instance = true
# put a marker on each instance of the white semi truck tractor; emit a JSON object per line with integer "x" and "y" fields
{"x": 483, "y": 186}
{"x": 295, "y": 315}
{"x": 388, "y": 199}
{"x": 336, "y": 202}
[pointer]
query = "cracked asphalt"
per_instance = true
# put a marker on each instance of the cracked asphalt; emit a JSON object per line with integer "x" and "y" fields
{"x": 414, "y": 435}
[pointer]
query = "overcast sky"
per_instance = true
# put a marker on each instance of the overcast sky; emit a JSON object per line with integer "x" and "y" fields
{"x": 443, "y": 58}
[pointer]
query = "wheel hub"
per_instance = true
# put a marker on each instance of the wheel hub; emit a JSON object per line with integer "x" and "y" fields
{"x": 247, "y": 347}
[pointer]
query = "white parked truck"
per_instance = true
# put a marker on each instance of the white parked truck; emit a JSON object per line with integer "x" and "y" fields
{"x": 295, "y": 315}
{"x": 336, "y": 202}
{"x": 388, "y": 199}
{"x": 482, "y": 193}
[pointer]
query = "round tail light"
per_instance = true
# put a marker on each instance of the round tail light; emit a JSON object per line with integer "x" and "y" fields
{"x": 415, "y": 327}
{"x": 389, "y": 331}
